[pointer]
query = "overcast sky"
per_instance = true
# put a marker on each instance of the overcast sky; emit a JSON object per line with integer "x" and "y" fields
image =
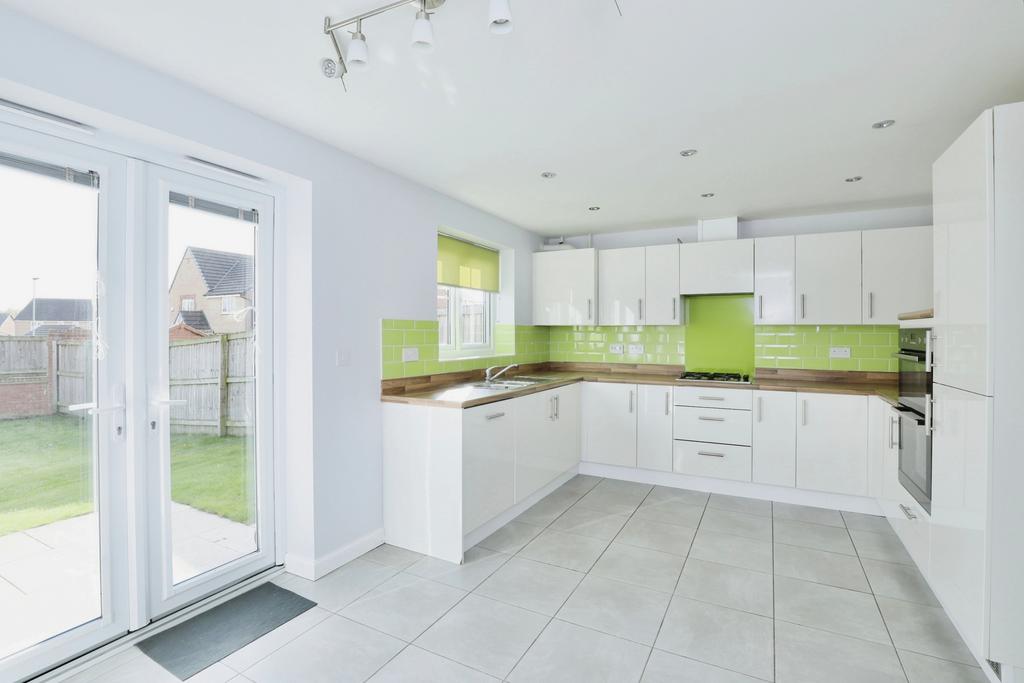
{"x": 48, "y": 230}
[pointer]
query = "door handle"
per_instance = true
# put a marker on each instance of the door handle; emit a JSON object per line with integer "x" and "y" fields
{"x": 590, "y": 309}
{"x": 711, "y": 454}
{"x": 892, "y": 436}
{"x": 803, "y": 411}
{"x": 639, "y": 309}
{"x": 495, "y": 416}
{"x": 668, "y": 402}
{"x": 711, "y": 419}
{"x": 803, "y": 305}
{"x": 169, "y": 402}
{"x": 92, "y": 408}
{"x": 760, "y": 408}
{"x": 631, "y": 400}
{"x": 675, "y": 305}
{"x": 760, "y": 306}
{"x": 711, "y": 398}
{"x": 556, "y": 407}
{"x": 871, "y": 304}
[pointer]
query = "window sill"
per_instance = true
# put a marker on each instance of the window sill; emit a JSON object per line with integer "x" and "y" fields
{"x": 475, "y": 356}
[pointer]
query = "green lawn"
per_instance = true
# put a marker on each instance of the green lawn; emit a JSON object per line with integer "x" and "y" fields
{"x": 46, "y": 472}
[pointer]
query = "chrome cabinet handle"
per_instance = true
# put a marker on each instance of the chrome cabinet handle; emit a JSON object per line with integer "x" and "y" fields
{"x": 551, "y": 408}
{"x": 929, "y": 361}
{"x": 760, "y": 408}
{"x": 710, "y": 419}
{"x": 711, "y": 398}
{"x": 668, "y": 402}
{"x": 760, "y": 306}
{"x": 557, "y": 415}
{"x": 871, "y": 304}
{"x": 640, "y": 309}
{"x": 803, "y": 305}
{"x": 590, "y": 309}
{"x": 803, "y": 411}
{"x": 495, "y": 416}
{"x": 711, "y": 454}
{"x": 908, "y": 512}
{"x": 675, "y": 304}
{"x": 631, "y": 400}
{"x": 892, "y": 436}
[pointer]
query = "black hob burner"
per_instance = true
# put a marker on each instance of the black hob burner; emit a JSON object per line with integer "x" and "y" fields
{"x": 716, "y": 376}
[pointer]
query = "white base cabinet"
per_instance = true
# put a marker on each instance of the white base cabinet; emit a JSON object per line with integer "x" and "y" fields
{"x": 609, "y": 423}
{"x": 545, "y": 438}
{"x": 654, "y": 428}
{"x": 831, "y": 443}
{"x": 489, "y": 468}
{"x": 774, "y": 438}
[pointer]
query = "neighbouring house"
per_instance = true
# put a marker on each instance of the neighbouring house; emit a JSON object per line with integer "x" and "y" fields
{"x": 43, "y": 317}
{"x": 6, "y": 325}
{"x": 211, "y": 293}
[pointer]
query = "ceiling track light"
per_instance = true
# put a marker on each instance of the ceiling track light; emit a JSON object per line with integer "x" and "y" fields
{"x": 855, "y": 179}
{"x": 708, "y": 195}
{"x": 688, "y": 153}
{"x": 356, "y": 56}
{"x": 887, "y": 123}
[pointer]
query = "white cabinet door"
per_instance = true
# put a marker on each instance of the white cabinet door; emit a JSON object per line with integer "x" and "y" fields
{"x": 488, "y": 462}
{"x": 716, "y": 267}
{"x": 565, "y": 437}
{"x": 535, "y": 452}
{"x": 961, "y": 189}
{"x": 774, "y": 437}
{"x": 654, "y": 427}
{"x": 774, "y": 281}
{"x": 883, "y": 450}
{"x": 661, "y": 285}
{"x": 565, "y": 287}
{"x": 620, "y": 277}
{"x": 609, "y": 423}
{"x": 831, "y": 443}
{"x": 828, "y": 288}
{"x": 897, "y": 273}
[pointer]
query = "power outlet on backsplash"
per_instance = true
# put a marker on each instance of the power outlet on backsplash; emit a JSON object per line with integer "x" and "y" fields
{"x": 615, "y": 348}
{"x": 839, "y": 352}
{"x": 636, "y": 349}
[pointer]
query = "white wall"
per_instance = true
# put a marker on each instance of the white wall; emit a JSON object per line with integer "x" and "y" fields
{"x": 371, "y": 255}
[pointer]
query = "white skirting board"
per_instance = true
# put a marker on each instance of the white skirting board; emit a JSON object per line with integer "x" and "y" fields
{"x": 314, "y": 569}
{"x": 782, "y": 494}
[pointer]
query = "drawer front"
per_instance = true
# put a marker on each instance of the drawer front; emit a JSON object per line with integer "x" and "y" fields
{"x": 711, "y": 424}
{"x": 712, "y": 460}
{"x": 701, "y": 397}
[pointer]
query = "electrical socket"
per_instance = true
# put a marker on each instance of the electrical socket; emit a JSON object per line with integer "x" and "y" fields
{"x": 615, "y": 348}
{"x": 410, "y": 353}
{"x": 839, "y": 352}
{"x": 636, "y": 349}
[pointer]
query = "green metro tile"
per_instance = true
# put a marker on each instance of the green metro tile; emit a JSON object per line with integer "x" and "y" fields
{"x": 426, "y": 325}
{"x": 790, "y": 363}
{"x": 391, "y": 370}
{"x": 874, "y": 339}
{"x": 392, "y": 337}
{"x": 874, "y": 365}
{"x": 815, "y": 364}
{"x": 843, "y": 364}
{"x": 844, "y": 339}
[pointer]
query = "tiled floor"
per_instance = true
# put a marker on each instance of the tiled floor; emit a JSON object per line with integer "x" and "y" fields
{"x": 612, "y": 581}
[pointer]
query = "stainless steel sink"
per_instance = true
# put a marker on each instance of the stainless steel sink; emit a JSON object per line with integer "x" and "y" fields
{"x": 507, "y": 384}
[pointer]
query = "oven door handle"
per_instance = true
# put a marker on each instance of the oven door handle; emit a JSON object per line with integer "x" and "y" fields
{"x": 909, "y": 356}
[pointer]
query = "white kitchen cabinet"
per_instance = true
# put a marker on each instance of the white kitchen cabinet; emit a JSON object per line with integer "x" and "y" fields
{"x": 774, "y": 281}
{"x": 546, "y": 438}
{"x": 721, "y": 461}
{"x": 828, "y": 279}
{"x": 715, "y": 425}
{"x": 654, "y": 427}
{"x": 610, "y": 423}
{"x": 774, "y": 438}
{"x": 716, "y": 267}
{"x": 831, "y": 443}
{"x": 896, "y": 273}
{"x": 883, "y": 450}
{"x": 713, "y": 397}
{"x": 661, "y": 285}
{"x": 565, "y": 287}
{"x": 620, "y": 286}
{"x": 488, "y": 462}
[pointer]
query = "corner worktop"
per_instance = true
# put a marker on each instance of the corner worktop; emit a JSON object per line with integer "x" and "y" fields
{"x": 466, "y": 395}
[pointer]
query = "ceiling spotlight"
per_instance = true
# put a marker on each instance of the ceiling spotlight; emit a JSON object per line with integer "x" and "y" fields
{"x": 548, "y": 174}
{"x": 358, "y": 56}
{"x": 708, "y": 195}
{"x": 883, "y": 124}
{"x": 422, "y": 31}
{"x": 500, "y": 17}
{"x": 329, "y": 68}
{"x": 593, "y": 208}
{"x": 854, "y": 179}
{"x": 687, "y": 152}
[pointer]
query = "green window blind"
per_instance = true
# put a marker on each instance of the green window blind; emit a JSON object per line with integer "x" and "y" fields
{"x": 463, "y": 264}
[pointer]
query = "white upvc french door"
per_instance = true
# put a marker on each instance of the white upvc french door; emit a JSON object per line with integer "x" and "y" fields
{"x": 209, "y": 345}
{"x": 63, "y": 485}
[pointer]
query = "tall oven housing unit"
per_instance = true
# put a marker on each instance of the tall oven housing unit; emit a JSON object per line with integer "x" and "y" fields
{"x": 977, "y": 409}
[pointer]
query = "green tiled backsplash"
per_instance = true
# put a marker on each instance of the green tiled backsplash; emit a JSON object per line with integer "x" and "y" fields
{"x": 807, "y": 347}
{"x": 662, "y": 345}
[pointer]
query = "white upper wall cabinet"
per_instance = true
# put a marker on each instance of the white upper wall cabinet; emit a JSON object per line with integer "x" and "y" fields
{"x": 716, "y": 267}
{"x": 661, "y": 285}
{"x": 774, "y": 280}
{"x": 897, "y": 273}
{"x": 620, "y": 286}
{"x": 565, "y": 287}
{"x": 828, "y": 285}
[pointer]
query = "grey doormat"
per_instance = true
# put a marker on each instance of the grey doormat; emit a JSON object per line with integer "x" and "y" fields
{"x": 206, "y": 638}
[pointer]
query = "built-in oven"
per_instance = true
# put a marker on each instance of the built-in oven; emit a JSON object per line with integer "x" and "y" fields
{"x": 915, "y": 407}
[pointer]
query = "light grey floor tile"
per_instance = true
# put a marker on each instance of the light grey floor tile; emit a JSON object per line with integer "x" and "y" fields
{"x": 340, "y": 587}
{"x": 737, "y": 551}
{"x": 580, "y": 484}
{"x": 98, "y": 670}
{"x": 752, "y": 506}
{"x": 640, "y": 566}
{"x": 672, "y": 511}
{"x": 923, "y": 629}
{"x": 616, "y": 608}
{"x": 648, "y": 533}
{"x": 721, "y": 584}
{"x": 816, "y": 536}
{"x": 924, "y": 669}
{"x": 478, "y": 563}
{"x": 564, "y": 550}
{"x": 612, "y": 501}
{"x": 899, "y": 581}
{"x": 392, "y": 556}
{"x": 724, "y": 637}
{"x": 243, "y": 658}
{"x": 572, "y": 654}
{"x": 403, "y": 606}
{"x": 632, "y": 488}
{"x": 531, "y": 585}
{"x": 125, "y": 668}
{"x": 662, "y": 493}
{"x": 484, "y": 634}
{"x": 808, "y": 514}
{"x": 805, "y": 655}
{"x": 511, "y": 538}
{"x": 665, "y": 667}
{"x": 588, "y": 522}
{"x": 875, "y": 546}
{"x": 314, "y": 656}
{"x": 414, "y": 665}
{"x": 862, "y": 522}
{"x": 829, "y": 608}
{"x": 548, "y": 508}
{"x": 216, "y": 673}
{"x": 737, "y": 523}
{"x": 819, "y": 566}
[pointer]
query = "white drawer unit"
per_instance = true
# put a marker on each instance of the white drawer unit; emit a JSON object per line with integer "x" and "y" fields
{"x": 713, "y": 397}
{"x": 712, "y": 424}
{"x": 712, "y": 460}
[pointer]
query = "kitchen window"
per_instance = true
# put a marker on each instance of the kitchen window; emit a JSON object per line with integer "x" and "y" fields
{"x": 465, "y": 320}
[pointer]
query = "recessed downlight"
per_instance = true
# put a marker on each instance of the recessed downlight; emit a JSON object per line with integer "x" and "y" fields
{"x": 854, "y": 179}
{"x": 688, "y": 153}
{"x": 548, "y": 175}
{"x": 708, "y": 195}
{"x": 593, "y": 208}
{"x": 884, "y": 124}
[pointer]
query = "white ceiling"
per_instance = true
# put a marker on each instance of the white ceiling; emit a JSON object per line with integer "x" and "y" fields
{"x": 779, "y": 97}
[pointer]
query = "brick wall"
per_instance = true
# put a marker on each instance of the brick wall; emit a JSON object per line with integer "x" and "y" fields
{"x": 27, "y": 397}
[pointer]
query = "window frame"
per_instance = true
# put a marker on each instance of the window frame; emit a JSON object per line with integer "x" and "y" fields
{"x": 457, "y": 349}
{"x": 191, "y": 299}
{"x": 227, "y": 305}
